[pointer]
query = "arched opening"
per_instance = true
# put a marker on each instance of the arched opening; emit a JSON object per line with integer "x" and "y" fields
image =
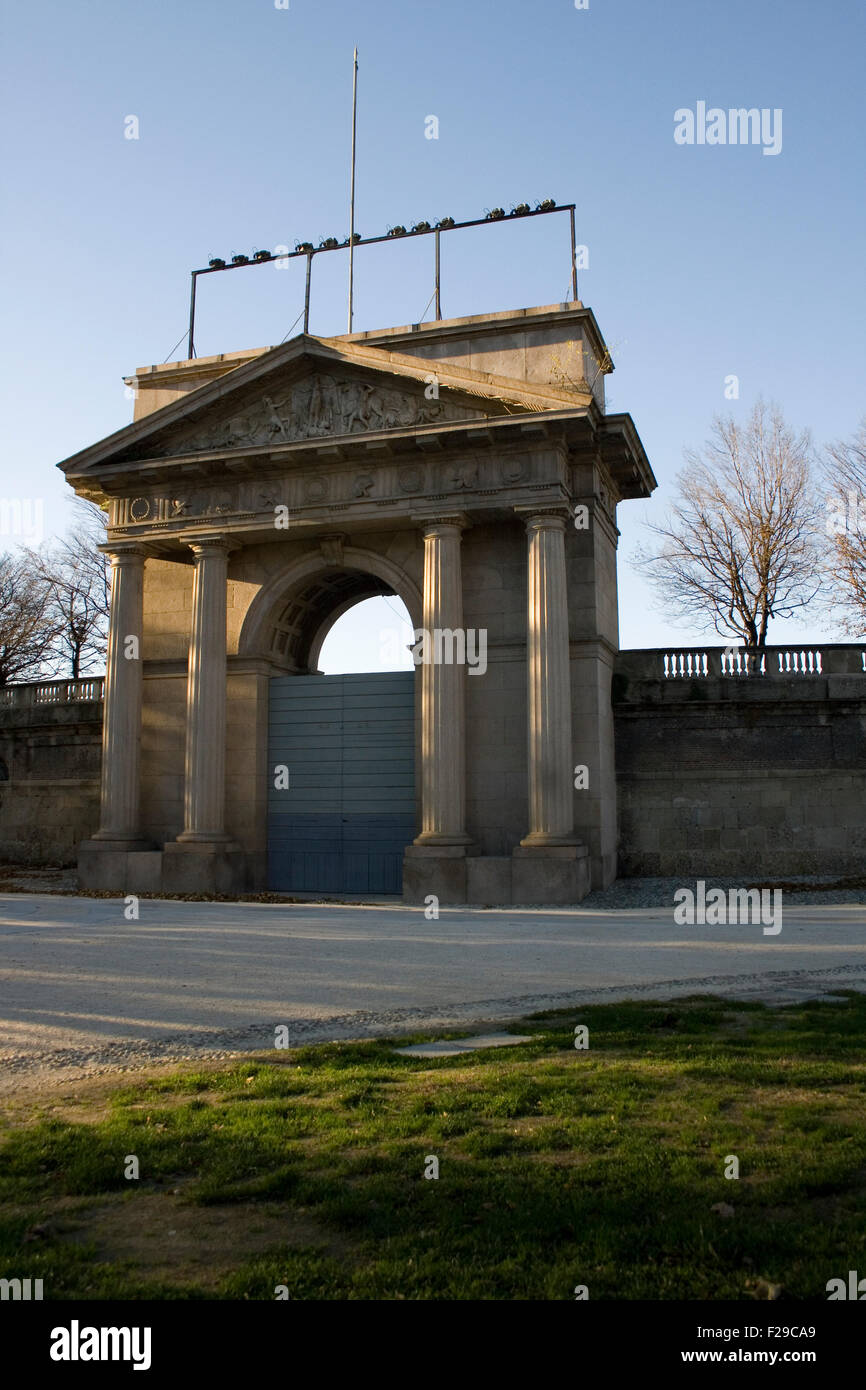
{"x": 294, "y": 612}
{"x": 374, "y": 635}
{"x": 341, "y": 727}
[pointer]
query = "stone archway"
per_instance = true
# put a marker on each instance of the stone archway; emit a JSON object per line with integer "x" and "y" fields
{"x": 291, "y": 615}
{"x": 256, "y": 497}
{"x": 343, "y": 804}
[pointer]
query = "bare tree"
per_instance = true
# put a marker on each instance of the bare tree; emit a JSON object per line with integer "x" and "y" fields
{"x": 27, "y": 629}
{"x": 740, "y": 545}
{"x": 844, "y": 471}
{"x": 77, "y": 576}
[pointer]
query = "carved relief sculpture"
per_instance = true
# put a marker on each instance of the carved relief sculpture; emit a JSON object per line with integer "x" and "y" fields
{"x": 314, "y": 408}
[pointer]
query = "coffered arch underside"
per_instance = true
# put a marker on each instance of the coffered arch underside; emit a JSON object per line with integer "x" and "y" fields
{"x": 290, "y": 616}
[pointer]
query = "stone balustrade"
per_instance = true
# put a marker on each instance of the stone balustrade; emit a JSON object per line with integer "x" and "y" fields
{"x": 88, "y": 689}
{"x": 701, "y": 663}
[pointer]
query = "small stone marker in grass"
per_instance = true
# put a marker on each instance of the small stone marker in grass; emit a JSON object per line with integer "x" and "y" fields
{"x": 451, "y": 1047}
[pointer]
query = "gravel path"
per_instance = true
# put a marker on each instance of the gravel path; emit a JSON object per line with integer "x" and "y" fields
{"x": 85, "y": 992}
{"x": 626, "y": 893}
{"x": 42, "y": 1070}
{"x": 804, "y": 891}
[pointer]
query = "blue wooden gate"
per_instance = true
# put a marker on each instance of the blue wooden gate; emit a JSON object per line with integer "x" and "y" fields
{"x": 348, "y": 813}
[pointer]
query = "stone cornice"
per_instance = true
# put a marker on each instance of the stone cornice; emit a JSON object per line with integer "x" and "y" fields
{"x": 513, "y": 431}
{"x": 479, "y": 387}
{"x": 536, "y": 318}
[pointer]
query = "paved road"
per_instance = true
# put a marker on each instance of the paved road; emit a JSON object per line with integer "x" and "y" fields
{"x": 82, "y": 990}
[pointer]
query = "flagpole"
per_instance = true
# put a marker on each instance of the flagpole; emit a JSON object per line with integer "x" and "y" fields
{"x": 352, "y": 194}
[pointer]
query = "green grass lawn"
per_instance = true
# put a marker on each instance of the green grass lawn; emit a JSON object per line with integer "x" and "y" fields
{"x": 557, "y": 1167}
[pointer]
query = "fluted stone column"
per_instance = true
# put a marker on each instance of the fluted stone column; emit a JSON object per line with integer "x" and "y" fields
{"x": 443, "y": 716}
{"x": 205, "y": 762}
{"x": 551, "y": 804}
{"x": 121, "y": 721}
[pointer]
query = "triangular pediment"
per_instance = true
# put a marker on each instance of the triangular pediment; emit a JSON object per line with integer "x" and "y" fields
{"x": 310, "y": 402}
{"x": 316, "y": 389}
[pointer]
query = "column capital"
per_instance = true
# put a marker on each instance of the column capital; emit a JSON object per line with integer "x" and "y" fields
{"x": 120, "y": 552}
{"x": 553, "y": 516}
{"x": 435, "y": 521}
{"x": 210, "y": 545}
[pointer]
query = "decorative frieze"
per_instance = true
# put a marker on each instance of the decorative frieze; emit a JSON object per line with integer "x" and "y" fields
{"x": 319, "y": 406}
{"x": 334, "y": 488}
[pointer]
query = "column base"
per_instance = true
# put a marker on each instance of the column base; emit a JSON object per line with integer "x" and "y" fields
{"x": 561, "y": 845}
{"x": 107, "y": 866}
{"x": 111, "y": 866}
{"x": 442, "y": 843}
{"x": 530, "y": 876}
{"x": 438, "y": 869}
{"x": 130, "y": 844}
{"x": 203, "y": 866}
{"x": 549, "y": 873}
{"x": 439, "y": 849}
{"x": 218, "y": 838}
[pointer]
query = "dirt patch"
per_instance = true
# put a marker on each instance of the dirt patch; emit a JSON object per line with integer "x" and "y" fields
{"x": 85, "y": 1100}
{"x": 737, "y": 1022}
{"x": 167, "y": 1239}
{"x": 24, "y": 878}
{"x": 21, "y": 878}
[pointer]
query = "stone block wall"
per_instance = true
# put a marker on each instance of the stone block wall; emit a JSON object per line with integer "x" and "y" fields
{"x": 716, "y": 773}
{"x": 741, "y": 773}
{"x": 50, "y": 752}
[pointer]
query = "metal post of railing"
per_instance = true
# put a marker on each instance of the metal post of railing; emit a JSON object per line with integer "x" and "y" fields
{"x": 190, "y": 349}
{"x": 263, "y": 258}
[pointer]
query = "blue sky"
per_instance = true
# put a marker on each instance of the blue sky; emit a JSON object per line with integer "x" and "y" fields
{"x": 704, "y": 261}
